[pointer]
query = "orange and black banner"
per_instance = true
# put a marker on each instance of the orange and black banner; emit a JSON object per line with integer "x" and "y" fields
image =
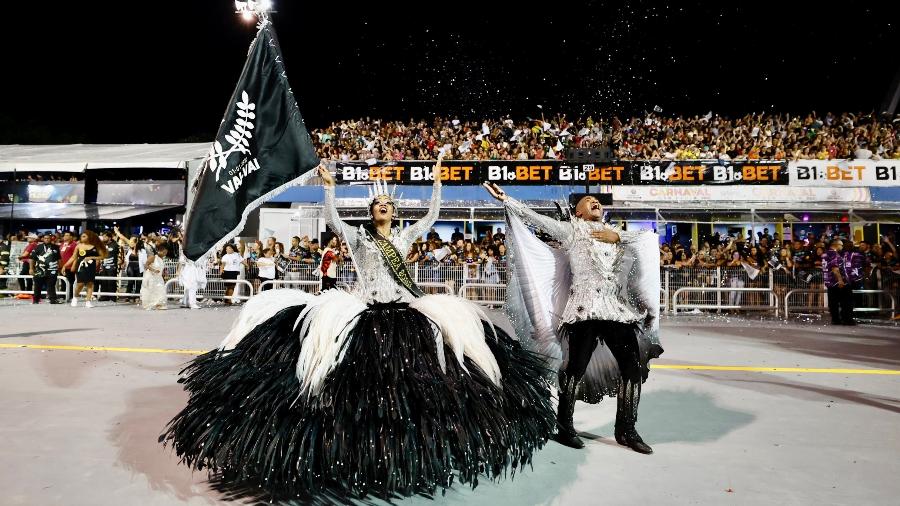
{"x": 556, "y": 172}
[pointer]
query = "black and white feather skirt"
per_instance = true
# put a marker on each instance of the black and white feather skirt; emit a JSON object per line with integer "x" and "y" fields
{"x": 383, "y": 399}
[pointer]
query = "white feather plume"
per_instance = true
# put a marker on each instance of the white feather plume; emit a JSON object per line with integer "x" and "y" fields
{"x": 459, "y": 323}
{"x": 327, "y": 321}
{"x": 259, "y": 309}
{"x": 380, "y": 187}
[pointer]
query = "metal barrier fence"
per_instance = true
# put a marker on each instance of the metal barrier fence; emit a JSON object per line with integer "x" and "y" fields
{"x": 732, "y": 294}
{"x": 889, "y": 307}
{"x": 490, "y": 294}
{"x": 215, "y": 289}
{"x": 6, "y": 291}
{"x": 682, "y": 289}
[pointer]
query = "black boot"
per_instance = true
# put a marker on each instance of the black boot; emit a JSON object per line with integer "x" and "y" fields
{"x": 566, "y": 434}
{"x": 626, "y": 416}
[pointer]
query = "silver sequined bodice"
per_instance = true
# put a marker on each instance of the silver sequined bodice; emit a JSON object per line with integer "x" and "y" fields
{"x": 375, "y": 282}
{"x": 596, "y": 293}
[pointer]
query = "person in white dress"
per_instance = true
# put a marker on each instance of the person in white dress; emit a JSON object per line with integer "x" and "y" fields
{"x": 153, "y": 286}
{"x": 192, "y": 278}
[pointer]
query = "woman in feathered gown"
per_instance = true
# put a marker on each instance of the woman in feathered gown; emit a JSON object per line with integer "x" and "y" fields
{"x": 381, "y": 390}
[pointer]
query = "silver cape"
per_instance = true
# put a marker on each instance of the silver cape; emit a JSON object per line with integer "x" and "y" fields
{"x": 583, "y": 279}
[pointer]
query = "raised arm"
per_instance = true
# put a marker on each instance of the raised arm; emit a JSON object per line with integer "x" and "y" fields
{"x": 560, "y": 230}
{"x": 417, "y": 229}
{"x": 346, "y": 231}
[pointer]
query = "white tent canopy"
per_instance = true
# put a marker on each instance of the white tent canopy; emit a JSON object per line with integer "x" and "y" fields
{"x": 84, "y": 157}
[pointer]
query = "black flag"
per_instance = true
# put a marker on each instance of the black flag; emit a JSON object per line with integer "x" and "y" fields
{"x": 261, "y": 149}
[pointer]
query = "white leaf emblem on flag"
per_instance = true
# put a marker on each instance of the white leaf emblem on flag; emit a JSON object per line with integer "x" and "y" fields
{"x": 237, "y": 137}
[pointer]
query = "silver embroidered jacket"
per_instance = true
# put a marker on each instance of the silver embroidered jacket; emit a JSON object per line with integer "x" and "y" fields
{"x": 596, "y": 291}
{"x": 375, "y": 280}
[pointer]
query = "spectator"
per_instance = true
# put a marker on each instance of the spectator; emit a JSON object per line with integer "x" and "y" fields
{"x": 854, "y": 270}
{"x": 736, "y": 279}
{"x": 135, "y": 261}
{"x": 44, "y": 267}
{"x": 85, "y": 262}
{"x": 415, "y": 253}
{"x": 433, "y": 235}
{"x": 491, "y": 272}
{"x": 314, "y": 253}
{"x": 110, "y": 265}
{"x": 295, "y": 255}
{"x": 251, "y": 257}
{"x": 835, "y": 283}
{"x": 25, "y": 259}
{"x": 66, "y": 249}
{"x": 266, "y": 267}
{"x": 282, "y": 262}
{"x": 456, "y": 236}
{"x": 328, "y": 266}
{"x": 5, "y": 248}
{"x": 306, "y": 256}
{"x": 230, "y": 269}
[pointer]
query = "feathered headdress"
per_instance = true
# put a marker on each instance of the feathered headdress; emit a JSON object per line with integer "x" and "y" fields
{"x": 380, "y": 189}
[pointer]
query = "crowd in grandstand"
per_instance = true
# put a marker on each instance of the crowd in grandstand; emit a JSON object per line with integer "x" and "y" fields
{"x": 653, "y": 136}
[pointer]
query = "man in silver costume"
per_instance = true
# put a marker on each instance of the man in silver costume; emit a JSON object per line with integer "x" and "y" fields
{"x": 601, "y": 308}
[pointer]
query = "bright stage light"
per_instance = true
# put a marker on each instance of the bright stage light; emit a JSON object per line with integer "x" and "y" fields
{"x": 252, "y": 8}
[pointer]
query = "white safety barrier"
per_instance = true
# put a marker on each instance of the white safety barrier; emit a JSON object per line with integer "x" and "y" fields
{"x": 489, "y": 294}
{"x": 118, "y": 280}
{"x": 59, "y": 279}
{"x": 684, "y": 288}
{"x": 798, "y": 309}
{"x": 436, "y": 287}
{"x": 215, "y": 289}
{"x": 306, "y": 286}
{"x": 773, "y": 301}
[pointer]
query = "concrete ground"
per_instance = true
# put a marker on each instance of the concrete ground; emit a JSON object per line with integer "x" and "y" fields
{"x": 81, "y": 427}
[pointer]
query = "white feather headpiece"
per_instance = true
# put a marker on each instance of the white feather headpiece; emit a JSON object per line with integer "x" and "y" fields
{"x": 380, "y": 188}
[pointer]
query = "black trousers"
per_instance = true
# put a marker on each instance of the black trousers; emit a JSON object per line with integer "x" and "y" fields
{"x": 621, "y": 339}
{"x": 40, "y": 283}
{"x": 70, "y": 277}
{"x": 328, "y": 283}
{"x": 108, "y": 285}
{"x": 24, "y": 283}
{"x": 133, "y": 271}
{"x": 840, "y": 304}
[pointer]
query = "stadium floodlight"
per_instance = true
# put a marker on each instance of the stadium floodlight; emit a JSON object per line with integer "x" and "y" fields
{"x": 250, "y": 9}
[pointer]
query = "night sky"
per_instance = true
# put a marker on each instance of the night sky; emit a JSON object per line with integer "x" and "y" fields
{"x": 117, "y": 72}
